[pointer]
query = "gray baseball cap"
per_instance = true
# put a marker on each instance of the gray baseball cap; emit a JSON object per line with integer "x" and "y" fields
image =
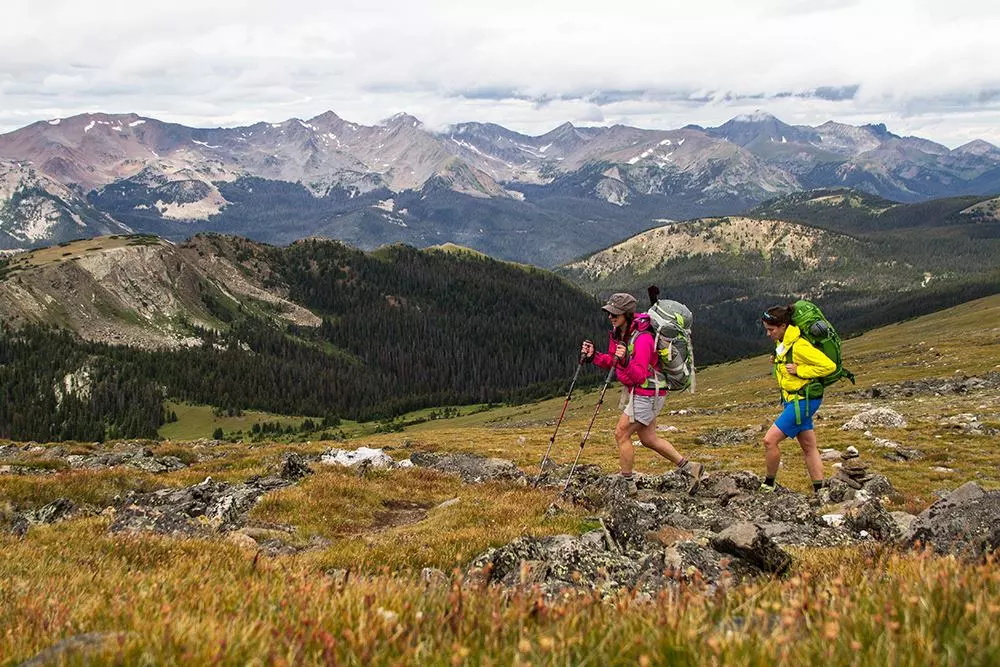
{"x": 620, "y": 303}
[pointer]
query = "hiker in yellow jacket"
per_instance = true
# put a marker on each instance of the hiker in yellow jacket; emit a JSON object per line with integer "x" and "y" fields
{"x": 797, "y": 364}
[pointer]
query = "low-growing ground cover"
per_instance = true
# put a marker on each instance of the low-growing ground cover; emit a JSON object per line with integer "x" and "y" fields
{"x": 355, "y": 593}
{"x": 155, "y": 600}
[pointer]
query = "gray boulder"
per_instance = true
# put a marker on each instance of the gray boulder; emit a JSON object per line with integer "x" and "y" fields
{"x": 472, "y": 468}
{"x": 965, "y": 523}
{"x": 58, "y": 510}
{"x": 872, "y": 520}
{"x": 876, "y": 417}
{"x": 749, "y": 542}
{"x": 203, "y": 508}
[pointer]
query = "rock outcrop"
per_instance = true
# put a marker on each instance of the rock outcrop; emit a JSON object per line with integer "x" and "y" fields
{"x": 966, "y": 522}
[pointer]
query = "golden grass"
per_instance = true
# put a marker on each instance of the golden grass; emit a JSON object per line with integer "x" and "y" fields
{"x": 197, "y": 601}
{"x": 166, "y": 601}
{"x": 74, "y": 249}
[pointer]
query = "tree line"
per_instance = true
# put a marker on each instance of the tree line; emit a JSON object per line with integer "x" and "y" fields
{"x": 402, "y": 329}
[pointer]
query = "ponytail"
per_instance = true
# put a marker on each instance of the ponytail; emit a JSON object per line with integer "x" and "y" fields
{"x": 779, "y": 315}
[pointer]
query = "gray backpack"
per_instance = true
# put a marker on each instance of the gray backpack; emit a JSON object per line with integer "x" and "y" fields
{"x": 671, "y": 325}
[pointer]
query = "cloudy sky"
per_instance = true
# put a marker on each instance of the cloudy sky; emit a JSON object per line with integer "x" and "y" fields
{"x": 929, "y": 68}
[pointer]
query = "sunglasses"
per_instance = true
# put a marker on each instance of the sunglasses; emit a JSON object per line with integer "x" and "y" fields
{"x": 769, "y": 318}
{"x": 612, "y": 316}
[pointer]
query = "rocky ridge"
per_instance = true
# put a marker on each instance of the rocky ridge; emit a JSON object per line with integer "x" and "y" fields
{"x": 139, "y": 291}
{"x": 645, "y": 251}
{"x": 662, "y": 536}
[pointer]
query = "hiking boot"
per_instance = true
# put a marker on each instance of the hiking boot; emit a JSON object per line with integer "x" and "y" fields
{"x": 694, "y": 471}
{"x": 765, "y": 488}
{"x": 627, "y": 486}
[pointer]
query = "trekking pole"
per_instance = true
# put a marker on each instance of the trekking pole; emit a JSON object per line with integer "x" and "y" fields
{"x": 586, "y": 435}
{"x": 552, "y": 440}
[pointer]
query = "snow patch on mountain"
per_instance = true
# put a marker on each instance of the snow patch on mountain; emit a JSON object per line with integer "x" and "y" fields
{"x": 757, "y": 116}
{"x": 189, "y": 211}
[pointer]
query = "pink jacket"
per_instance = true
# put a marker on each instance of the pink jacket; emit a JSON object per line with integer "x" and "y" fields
{"x": 637, "y": 367}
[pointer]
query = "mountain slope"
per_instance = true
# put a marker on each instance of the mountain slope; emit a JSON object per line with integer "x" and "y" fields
{"x": 729, "y": 269}
{"x": 313, "y": 328}
{"x": 139, "y": 291}
{"x": 36, "y": 209}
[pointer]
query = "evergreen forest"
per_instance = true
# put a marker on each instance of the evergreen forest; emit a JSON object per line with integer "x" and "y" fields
{"x": 402, "y": 329}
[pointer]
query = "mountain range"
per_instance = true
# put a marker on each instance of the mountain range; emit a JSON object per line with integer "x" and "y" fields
{"x": 321, "y": 328}
{"x": 543, "y": 200}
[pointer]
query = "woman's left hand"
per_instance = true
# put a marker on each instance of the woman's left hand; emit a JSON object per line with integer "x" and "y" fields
{"x": 620, "y": 352}
{"x": 791, "y": 368}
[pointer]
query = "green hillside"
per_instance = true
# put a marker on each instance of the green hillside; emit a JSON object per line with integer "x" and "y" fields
{"x": 395, "y": 330}
{"x": 865, "y": 260}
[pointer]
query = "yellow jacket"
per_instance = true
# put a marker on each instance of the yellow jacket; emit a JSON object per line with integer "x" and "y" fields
{"x": 812, "y": 363}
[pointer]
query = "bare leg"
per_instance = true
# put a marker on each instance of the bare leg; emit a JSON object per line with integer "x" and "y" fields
{"x": 649, "y": 438}
{"x": 772, "y": 454}
{"x": 814, "y": 464}
{"x": 623, "y": 436}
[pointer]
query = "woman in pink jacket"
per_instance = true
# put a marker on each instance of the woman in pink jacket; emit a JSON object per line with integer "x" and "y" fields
{"x": 631, "y": 349}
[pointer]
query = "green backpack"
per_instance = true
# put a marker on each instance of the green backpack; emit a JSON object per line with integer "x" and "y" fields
{"x": 817, "y": 330}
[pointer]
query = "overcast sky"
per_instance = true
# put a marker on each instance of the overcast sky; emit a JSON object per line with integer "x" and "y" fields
{"x": 925, "y": 68}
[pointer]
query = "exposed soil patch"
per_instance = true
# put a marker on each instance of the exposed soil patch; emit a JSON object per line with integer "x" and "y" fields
{"x": 400, "y": 513}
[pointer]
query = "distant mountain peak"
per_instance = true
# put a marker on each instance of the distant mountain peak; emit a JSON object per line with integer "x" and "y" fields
{"x": 978, "y": 147}
{"x": 565, "y": 126}
{"x": 401, "y": 119}
{"x": 880, "y": 131}
{"x": 757, "y": 116}
{"x": 327, "y": 116}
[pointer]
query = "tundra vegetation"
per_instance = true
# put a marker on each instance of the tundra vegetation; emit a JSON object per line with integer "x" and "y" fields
{"x": 348, "y": 584}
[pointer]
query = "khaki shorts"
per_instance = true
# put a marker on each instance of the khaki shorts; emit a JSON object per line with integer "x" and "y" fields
{"x": 642, "y": 409}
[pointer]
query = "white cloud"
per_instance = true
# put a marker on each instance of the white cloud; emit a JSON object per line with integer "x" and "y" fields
{"x": 918, "y": 66}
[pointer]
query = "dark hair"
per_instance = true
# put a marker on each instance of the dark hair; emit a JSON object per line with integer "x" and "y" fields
{"x": 778, "y": 315}
{"x": 629, "y": 318}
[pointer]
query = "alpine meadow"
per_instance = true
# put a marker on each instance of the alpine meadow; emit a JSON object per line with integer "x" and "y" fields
{"x": 316, "y": 392}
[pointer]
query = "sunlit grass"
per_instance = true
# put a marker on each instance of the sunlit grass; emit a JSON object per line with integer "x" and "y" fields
{"x": 168, "y": 601}
{"x": 192, "y": 601}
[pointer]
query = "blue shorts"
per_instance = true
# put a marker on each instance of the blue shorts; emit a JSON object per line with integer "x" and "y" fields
{"x": 786, "y": 420}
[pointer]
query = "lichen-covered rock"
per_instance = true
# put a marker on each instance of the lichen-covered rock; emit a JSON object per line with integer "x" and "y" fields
{"x": 472, "y": 468}
{"x": 292, "y": 467}
{"x": 965, "y": 523}
{"x": 727, "y": 437}
{"x": 57, "y": 510}
{"x": 749, "y": 542}
{"x": 876, "y": 417}
{"x": 872, "y": 520}
{"x": 555, "y": 563}
{"x": 203, "y": 508}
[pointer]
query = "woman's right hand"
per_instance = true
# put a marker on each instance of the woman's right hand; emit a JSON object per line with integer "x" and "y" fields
{"x": 587, "y": 349}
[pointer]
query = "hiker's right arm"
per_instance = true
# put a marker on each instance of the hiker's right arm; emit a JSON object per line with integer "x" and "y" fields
{"x": 601, "y": 359}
